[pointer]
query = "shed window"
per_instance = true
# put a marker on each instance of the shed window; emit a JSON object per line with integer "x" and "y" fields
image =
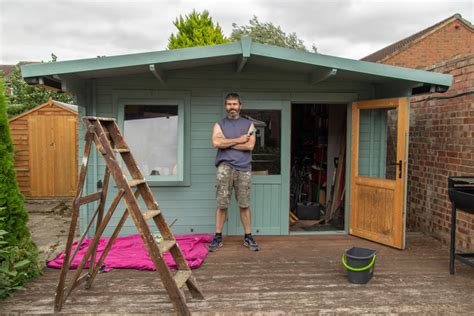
{"x": 378, "y": 143}
{"x": 266, "y": 153}
{"x": 154, "y": 133}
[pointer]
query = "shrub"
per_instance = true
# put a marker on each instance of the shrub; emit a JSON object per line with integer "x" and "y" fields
{"x": 18, "y": 253}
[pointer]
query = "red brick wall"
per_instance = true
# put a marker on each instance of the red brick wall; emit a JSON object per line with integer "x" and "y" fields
{"x": 442, "y": 145}
{"x": 443, "y": 44}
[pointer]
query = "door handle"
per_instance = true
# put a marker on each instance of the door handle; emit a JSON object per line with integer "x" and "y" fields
{"x": 399, "y": 164}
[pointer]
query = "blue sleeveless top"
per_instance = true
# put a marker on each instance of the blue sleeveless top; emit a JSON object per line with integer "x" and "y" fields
{"x": 238, "y": 159}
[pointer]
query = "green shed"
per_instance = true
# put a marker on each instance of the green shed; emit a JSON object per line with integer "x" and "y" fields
{"x": 309, "y": 109}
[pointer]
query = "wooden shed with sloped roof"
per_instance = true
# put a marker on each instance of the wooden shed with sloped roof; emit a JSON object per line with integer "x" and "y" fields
{"x": 45, "y": 143}
{"x": 315, "y": 108}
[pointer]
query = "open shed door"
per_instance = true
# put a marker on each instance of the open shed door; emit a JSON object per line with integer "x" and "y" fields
{"x": 378, "y": 170}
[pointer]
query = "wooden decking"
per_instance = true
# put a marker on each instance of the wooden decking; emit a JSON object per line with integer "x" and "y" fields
{"x": 300, "y": 274}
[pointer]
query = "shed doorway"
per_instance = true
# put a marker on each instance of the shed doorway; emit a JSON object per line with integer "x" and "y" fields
{"x": 317, "y": 174}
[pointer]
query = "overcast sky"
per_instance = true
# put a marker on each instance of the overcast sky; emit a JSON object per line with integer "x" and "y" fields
{"x": 33, "y": 29}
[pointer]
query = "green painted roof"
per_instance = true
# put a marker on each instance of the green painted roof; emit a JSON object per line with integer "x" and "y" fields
{"x": 227, "y": 53}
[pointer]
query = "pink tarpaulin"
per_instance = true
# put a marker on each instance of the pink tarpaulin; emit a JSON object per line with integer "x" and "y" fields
{"x": 130, "y": 253}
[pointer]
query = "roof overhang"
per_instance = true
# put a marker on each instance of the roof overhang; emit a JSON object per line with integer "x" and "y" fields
{"x": 318, "y": 67}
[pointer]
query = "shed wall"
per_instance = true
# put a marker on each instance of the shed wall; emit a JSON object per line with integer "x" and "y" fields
{"x": 19, "y": 132}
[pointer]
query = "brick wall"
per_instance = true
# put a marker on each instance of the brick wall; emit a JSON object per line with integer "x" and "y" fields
{"x": 442, "y": 145}
{"x": 454, "y": 39}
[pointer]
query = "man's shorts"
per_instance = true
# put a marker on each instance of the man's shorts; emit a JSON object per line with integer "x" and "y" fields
{"x": 228, "y": 179}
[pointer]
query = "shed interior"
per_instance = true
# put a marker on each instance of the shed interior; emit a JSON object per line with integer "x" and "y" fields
{"x": 317, "y": 181}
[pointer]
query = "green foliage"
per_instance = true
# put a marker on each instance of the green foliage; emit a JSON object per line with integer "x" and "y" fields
{"x": 196, "y": 29}
{"x": 18, "y": 253}
{"x": 16, "y": 109}
{"x": 26, "y": 97}
{"x": 268, "y": 33}
{"x": 15, "y": 270}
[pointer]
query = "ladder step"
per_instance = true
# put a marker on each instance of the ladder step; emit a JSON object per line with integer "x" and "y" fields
{"x": 166, "y": 245}
{"x": 150, "y": 214}
{"x": 135, "y": 182}
{"x": 181, "y": 276}
{"x": 96, "y": 118}
{"x": 122, "y": 150}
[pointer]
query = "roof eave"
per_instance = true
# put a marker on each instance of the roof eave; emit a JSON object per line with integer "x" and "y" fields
{"x": 353, "y": 65}
{"x": 130, "y": 60}
{"x": 245, "y": 48}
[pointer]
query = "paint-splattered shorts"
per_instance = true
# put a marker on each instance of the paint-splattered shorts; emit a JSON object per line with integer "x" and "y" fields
{"x": 228, "y": 179}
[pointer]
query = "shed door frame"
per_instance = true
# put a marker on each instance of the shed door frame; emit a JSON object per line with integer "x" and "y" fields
{"x": 233, "y": 224}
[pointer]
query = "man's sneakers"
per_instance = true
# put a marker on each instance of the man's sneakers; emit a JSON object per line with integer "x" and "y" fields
{"x": 250, "y": 243}
{"x": 216, "y": 243}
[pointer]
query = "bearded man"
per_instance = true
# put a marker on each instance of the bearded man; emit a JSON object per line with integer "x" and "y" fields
{"x": 234, "y": 138}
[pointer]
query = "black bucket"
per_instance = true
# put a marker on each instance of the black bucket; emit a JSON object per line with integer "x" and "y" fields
{"x": 359, "y": 263}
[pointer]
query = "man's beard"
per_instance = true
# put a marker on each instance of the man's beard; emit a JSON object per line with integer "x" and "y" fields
{"x": 233, "y": 113}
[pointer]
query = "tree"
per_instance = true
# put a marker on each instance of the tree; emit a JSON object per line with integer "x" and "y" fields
{"x": 196, "y": 29}
{"x": 26, "y": 97}
{"x": 268, "y": 33}
{"x": 18, "y": 253}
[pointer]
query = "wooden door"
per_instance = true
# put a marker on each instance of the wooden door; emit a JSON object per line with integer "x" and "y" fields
{"x": 53, "y": 165}
{"x": 378, "y": 170}
{"x": 65, "y": 165}
{"x": 41, "y": 145}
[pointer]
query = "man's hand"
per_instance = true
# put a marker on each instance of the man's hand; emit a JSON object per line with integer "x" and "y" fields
{"x": 248, "y": 140}
{"x": 243, "y": 139}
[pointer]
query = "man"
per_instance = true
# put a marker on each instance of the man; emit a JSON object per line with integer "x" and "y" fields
{"x": 234, "y": 138}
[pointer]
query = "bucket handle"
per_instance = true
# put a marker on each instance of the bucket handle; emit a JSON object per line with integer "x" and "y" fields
{"x": 357, "y": 269}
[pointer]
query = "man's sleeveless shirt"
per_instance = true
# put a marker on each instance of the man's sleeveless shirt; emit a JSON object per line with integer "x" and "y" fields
{"x": 238, "y": 159}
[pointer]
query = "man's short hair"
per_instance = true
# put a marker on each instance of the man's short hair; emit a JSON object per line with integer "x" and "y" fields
{"x": 232, "y": 96}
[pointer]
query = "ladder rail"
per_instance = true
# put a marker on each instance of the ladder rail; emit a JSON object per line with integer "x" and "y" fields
{"x": 58, "y": 299}
{"x": 100, "y": 210}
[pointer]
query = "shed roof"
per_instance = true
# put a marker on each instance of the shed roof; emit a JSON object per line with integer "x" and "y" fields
{"x": 403, "y": 44}
{"x": 68, "y": 107}
{"x": 244, "y": 52}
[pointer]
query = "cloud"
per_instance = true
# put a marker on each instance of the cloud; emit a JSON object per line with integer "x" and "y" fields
{"x": 32, "y": 30}
{"x": 342, "y": 26}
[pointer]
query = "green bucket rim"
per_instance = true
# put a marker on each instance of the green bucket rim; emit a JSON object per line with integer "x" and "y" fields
{"x": 348, "y": 267}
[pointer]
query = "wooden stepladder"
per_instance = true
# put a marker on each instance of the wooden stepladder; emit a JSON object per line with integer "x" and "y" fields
{"x": 106, "y": 135}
